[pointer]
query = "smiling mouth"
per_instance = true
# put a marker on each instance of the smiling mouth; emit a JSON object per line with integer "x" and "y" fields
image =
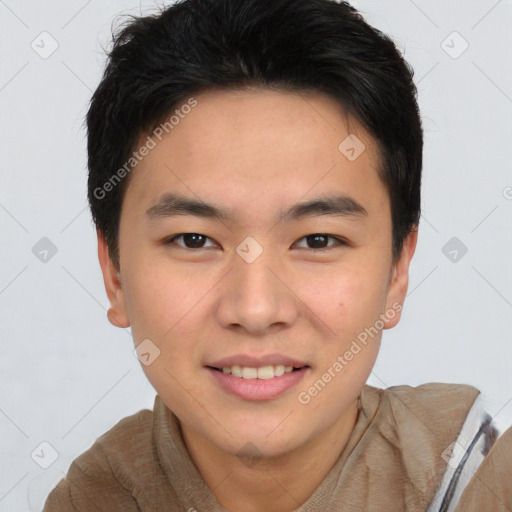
{"x": 261, "y": 373}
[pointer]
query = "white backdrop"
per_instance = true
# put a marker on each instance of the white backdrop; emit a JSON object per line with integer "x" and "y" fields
{"x": 67, "y": 375}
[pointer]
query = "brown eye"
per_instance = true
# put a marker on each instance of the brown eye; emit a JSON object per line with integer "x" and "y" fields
{"x": 190, "y": 240}
{"x": 320, "y": 241}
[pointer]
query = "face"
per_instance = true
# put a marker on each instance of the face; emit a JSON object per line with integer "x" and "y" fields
{"x": 267, "y": 283}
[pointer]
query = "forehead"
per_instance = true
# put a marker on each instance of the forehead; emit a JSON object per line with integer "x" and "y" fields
{"x": 259, "y": 144}
{"x": 266, "y": 120}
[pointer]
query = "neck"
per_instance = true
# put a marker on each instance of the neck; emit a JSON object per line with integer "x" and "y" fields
{"x": 270, "y": 484}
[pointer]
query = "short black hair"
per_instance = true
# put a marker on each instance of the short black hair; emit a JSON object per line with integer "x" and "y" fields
{"x": 160, "y": 60}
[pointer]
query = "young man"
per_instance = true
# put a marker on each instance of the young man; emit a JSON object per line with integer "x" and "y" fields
{"x": 254, "y": 176}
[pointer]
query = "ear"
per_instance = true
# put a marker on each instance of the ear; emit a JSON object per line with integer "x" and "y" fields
{"x": 116, "y": 314}
{"x": 399, "y": 281}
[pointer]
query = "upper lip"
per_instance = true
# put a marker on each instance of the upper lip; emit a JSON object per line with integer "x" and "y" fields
{"x": 257, "y": 362}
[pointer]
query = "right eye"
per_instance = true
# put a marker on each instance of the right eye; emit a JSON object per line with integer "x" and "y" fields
{"x": 190, "y": 240}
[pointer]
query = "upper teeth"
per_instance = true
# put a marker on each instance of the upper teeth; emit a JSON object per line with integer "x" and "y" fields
{"x": 264, "y": 372}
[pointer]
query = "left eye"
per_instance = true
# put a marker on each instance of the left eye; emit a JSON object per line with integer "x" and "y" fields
{"x": 196, "y": 240}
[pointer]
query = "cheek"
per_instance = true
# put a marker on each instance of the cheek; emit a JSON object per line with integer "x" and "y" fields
{"x": 154, "y": 301}
{"x": 163, "y": 305}
{"x": 342, "y": 306}
{"x": 336, "y": 299}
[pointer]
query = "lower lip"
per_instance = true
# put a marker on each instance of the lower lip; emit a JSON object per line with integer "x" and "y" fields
{"x": 258, "y": 389}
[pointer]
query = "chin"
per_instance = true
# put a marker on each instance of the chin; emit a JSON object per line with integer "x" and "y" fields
{"x": 268, "y": 444}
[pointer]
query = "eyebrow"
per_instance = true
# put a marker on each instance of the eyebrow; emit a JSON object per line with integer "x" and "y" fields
{"x": 171, "y": 205}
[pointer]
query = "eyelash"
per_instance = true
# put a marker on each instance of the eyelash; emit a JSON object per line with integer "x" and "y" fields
{"x": 341, "y": 241}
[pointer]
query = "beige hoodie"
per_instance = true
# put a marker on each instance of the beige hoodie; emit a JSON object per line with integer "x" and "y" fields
{"x": 394, "y": 461}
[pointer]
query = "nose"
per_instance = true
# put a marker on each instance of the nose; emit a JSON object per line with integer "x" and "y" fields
{"x": 257, "y": 297}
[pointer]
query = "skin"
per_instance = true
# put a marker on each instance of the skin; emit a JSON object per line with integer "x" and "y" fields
{"x": 256, "y": 152}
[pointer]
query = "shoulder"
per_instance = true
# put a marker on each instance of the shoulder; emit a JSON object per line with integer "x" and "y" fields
{"x": 128, "y": 446}
{"x": 438, "y": 407}
{"x": 438, "y": 396}
{"x": 108, "y": 472}
{"x": 422, "y": 421}
{"x": 433, "y": 419}
{"x": 415, "y": 426}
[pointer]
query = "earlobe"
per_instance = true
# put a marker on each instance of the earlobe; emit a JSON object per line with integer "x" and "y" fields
{"x": 114, "y": 319}
{"x": 117, "y": 313}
